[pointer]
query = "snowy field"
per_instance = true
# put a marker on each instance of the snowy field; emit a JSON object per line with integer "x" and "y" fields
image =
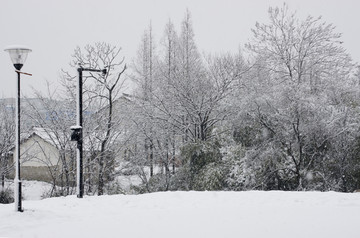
{"x": 188, "y": 214}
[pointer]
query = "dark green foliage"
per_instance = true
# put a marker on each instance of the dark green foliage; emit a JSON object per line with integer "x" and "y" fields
{"x": 6, "y": 196}
{"x": 247, "y": 133}
{"x": 181, "y": 179}
{"x": 204, "y": 165}
{"x": 211, "y": 177}
{"x": 156, "y": 183}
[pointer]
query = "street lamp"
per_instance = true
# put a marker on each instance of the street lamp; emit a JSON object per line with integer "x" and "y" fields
{"x": 18, "y": 55}
{"x": 77, "y": 134}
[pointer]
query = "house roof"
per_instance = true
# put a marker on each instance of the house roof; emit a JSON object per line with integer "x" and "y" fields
{"x": 60, "y": 139}
{"x": 48, "y": 135}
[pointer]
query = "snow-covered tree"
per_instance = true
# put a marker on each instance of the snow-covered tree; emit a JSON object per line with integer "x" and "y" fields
{"x": 101, "y": 94}
{"x": 300, "y": 103}
{"x": 7, "y": 137}
{"x": 54, "y": 116}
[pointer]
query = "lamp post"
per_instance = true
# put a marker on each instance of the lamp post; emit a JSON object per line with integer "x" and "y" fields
{"x": 18, "y": 55}
{"x": 77, "y": 134}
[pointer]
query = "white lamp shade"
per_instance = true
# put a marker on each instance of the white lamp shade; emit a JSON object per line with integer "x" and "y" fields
{"x": 18, "y": 53}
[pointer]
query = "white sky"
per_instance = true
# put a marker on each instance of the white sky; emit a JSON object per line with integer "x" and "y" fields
{"x": 53, "y": 28}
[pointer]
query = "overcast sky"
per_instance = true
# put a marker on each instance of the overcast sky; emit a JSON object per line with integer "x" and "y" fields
{"x": 53, "y": 28}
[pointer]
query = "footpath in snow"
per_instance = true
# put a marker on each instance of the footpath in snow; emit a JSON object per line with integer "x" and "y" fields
{"x": 188, "y": 214}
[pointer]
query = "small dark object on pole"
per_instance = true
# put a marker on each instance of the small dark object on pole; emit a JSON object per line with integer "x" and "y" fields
{"x": 76, "y": 132}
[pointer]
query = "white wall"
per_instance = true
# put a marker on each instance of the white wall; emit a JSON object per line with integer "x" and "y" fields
{"x": 37, "y": 152}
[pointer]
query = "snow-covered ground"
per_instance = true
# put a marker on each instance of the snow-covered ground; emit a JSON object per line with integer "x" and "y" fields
{"x": 31, "y": 190}
{"x": 188, "y": 214}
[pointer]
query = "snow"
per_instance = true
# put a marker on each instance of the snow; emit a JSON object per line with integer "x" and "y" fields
{"x": 16, "y": 47}
{"x": 188, "y": 214}
{"x": 31, "y": 190}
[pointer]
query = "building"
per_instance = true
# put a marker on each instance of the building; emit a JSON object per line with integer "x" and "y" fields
{"x": 43, "y": 154}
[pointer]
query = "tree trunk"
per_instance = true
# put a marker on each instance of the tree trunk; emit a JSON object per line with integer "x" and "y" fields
{"x": 151, "y": 158}
{"x": 101, "y": 176}
{"x": 2, "y": 182}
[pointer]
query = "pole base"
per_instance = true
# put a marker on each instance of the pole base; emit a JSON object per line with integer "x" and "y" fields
{"x": 18, "y": 197}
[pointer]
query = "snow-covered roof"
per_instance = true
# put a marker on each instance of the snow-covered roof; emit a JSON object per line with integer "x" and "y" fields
{"x": 56, "y": 139}
{"x": 91, "y": 142}
{"x": 49, "y": 136}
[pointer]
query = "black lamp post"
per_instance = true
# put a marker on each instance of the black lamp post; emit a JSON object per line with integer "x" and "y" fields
{"x": 18, "y": 55}
{"x": 77, "y": 134}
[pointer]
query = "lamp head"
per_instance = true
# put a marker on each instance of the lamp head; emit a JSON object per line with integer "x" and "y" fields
{"x": 18, "y": 54}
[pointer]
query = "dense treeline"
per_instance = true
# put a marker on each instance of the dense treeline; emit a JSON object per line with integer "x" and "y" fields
{"x": 283, "y": 115}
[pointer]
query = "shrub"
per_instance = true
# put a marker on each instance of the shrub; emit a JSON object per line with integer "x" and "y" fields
{"x": 6, "y": 196}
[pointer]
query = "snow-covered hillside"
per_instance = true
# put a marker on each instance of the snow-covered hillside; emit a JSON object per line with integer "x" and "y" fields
{"x": 188, "y": 214}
